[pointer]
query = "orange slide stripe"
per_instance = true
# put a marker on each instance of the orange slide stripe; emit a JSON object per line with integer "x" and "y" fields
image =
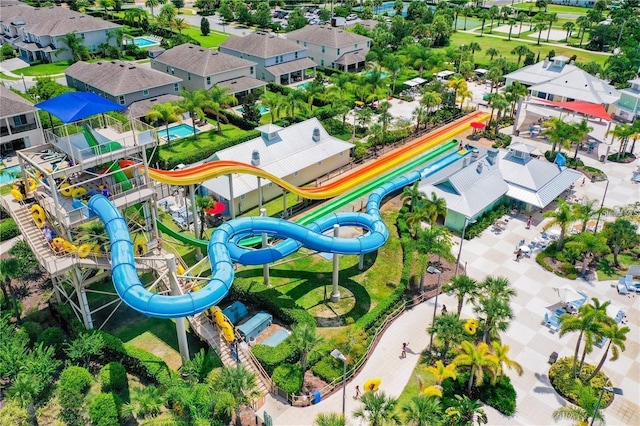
{"x": 206, "y": 171}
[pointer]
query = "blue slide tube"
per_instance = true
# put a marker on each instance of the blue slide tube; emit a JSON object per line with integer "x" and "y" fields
{"x": 223, "y": 249}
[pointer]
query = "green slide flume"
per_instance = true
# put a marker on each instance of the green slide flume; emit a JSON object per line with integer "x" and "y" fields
{"x": 99, "y": 148}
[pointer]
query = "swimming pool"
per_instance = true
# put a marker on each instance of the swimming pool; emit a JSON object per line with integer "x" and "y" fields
{"x": 7, "y": 175}
{"x": 387, "y": 7}
{"x": 382, "y": 74}
{"x": 145, "y": 42}
{"x": 177, "y": 132}
{"x": 263, "y": 110}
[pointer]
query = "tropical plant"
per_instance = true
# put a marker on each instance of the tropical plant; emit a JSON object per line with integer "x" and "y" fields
{"x": 273, "y": 102}
{"x": 589, "y": 245}
{"x": 84, "y": 347}
{"x": 393, "y": 63}
{"x": 220, "y": 98}
{"x": 377, "y": 409}
{"x": 520, "y": 50}
{"x": 502, "y": 353}
{"x": 10, "y": 269}
{"x": 145, "y": 401}
{"x": 562, "y": 217}
{"x": 422, "y": 410}
{"x": 74, "y": 45}
{"x": 585, "y": 211}
{"x": 465, "y": 412}
{"x": 616, "y": 336}
{"x": 412, "y": 194}
{"x": 479, "y": 360}
{"x": 457, "y": 84}
{"x": 440, "y": 371}
{"x": 462, "y": 287}
{"x": 329, "y": 419}
{"x": 449, "y": 330}
{"x": 194, "y": 103}
{"x": 620, "y": 234}
{"x": 585, "y": 410}
{"x": 164, "y": 113}
{"x": 434, "y": 207}
{"x": 305, "y": 340}
{"x": 240, "y": 383}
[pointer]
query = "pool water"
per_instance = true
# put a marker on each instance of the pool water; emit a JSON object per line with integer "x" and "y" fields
{"x": 276, "y": 338}
{"x": 263, "y": 110}
{"x": 303, "y": 86}
{"x": 386, "y": 7}
{"x": 144, "y": 42}
{"x": 382, "y": 74}
{"x": 7, "y": 174}
{"x": 177, "y": 132}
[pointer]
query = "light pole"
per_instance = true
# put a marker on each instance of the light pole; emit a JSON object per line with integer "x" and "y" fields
{"x": 595, "y": 230}
{"x": 24, "y": 83}
{"x": 338, "y": 355}
{"x": 616, "y": 391}
{"x": 435, "y": 303}
{"x": 467, "y": 221}
{"x": 461, "y": 53}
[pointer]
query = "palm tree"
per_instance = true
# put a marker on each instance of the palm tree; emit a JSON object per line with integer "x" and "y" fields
{"x": 494, "y": 12}
{"x": 304, "y": 339}
{"x": 420, "y": 115}
{"x": 164, "y": 113}
{"x": 579, "y": 131}
{"x": 511, "y": 22}
{"x": 496, "y": 314}
{"x": 423, "y": 411}
{"x": 435, "y": 240}
{"x": 569, "y": 26}
{"x": 465, "y": 412}
{"x": 581, "y": 413}
{"x": 393, "y": 63}
{"x": 462, "y": 287}
{"x": 431, "y": 100}
{"x": 622, "y": 132}
{"x": 457, "y": 83}
{"x": 551, "y": 18}
{"x": 413, "y": 194}
{"x": 540, "y": 27}
{"x": 220, "y": 98}
{"x": 583, "y": 23}
{"x": 483, "y": 16}
{"x": 620, "y": 234}
{"x": 479, "y": 360}
{"x": 378, "y": 409}
{"x": 311, "y": 91}
{"x": 272, "y": 101}
{"x": 292, "y": 102}
{"x": 240, "y": 383}
{"x": 10, "y": 269}
{"x": 521, "y": 17}
{"x": 520, "y": 50}
{"x": 153, "y": 3}
{"x": 513, "y": 93}
{"x": 616, "y": 336}
{"x": 502, "y": 353}
{"x": 384, "y": 118}
{"x": 589, "y": 245}
{"x": 74, "y": 46}
{"x": 179, "y": 24}
{"x": 329, "y": 419}
{"x": 585, "y": 211}
{"x": 194, "y": 103}
{"x": 145, "y": 401}
{"x": 434, "y": 207}
{"x": 562, "y": 216}
{"x": 491, "y": 52}
{"x": 441, "y": 372}
{"x": 203, "y": 203}
{"x": 448, "y": 329}
{"x": 106, "y": 5}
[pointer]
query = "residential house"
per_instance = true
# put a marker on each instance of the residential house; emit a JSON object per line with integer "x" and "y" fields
{"x": 121, "y": 82}
{"x": 38, "y": 33}
{"x": 558, "y": 80}
{"x": 277, "y": 59}
{"x": 202, "y": 68}
{"x": 298, "y": 154}
{"x": 20, "y": 125}
{"x": 333, "y": 47}
{"x": 628, "y": 108}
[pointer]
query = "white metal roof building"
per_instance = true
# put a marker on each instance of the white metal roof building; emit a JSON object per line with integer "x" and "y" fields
{"x": 299, "y": 154}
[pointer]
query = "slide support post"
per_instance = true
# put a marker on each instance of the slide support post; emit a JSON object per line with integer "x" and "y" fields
{"x": 175, "y": 289}
{"x": 196, "y": 225}
{"x": 335, "y": 292}
{"x": 232, "y": 203}
{"x": 361, "y": 262}
{"x": 284, "y": 204}
{"x": 260, "y": 194}
{"x": 265, "y": 267}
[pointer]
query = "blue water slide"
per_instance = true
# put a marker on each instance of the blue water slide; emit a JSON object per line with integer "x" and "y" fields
{"x": 223, "y": 249}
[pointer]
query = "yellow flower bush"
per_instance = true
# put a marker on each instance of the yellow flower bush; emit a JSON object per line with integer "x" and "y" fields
{"x": 471, "y": 326}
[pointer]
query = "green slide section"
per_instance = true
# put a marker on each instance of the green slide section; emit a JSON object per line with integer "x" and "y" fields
{"x": 118, "y": 174}
{"x": 331, "y": 205}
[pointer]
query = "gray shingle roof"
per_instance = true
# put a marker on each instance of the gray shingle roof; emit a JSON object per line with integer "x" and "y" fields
{"x": 12, "y": 103}
{"x": 119, "y": 78}
{"x": 201, "y": 61}
{"x": 53, "y": 20}
{"x": 352, "y": 57}
{"x": 327, "y": 36}
{"x": 261, "y": 45}
{"x": 242, "y": 84}
{"x": 291, "y": 66}
{"x": 141, "y": 108}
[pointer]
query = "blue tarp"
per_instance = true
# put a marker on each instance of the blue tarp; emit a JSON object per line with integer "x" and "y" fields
{"x": 74, "y": 106}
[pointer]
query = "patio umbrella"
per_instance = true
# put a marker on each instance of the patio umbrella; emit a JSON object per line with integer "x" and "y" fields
{"x": 477, "y": 125}
{"x": 568, "y": 294}
{"x": 217, "y": 208}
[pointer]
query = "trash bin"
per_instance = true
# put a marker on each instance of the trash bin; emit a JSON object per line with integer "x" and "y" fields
{"x": 602, "y": 157}
{"x": 518, "y": 132}
{"x": 317, "y": 397}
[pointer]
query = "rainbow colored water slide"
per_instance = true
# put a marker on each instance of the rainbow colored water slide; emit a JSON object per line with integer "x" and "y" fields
{"x": 346, "y": 182}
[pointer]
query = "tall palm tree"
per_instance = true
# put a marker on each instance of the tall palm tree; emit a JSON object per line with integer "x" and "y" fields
{"x": 179, "y": 24}
{"x": 622, "y": 132}
{"x": 589, "y": 245}
{"x": 393, "y": 63}
{"x": 311, "y": 91}
{"x": 378, "y": 409}
{"x": 153, "y": 3}
{"x": 513, "y": 93}
{"x": 423, "y": 411}
{"x": 272, "y": 101}
{"x": 194, "y": 103}
{"x": 479, "y": 360}
{"x": 502, "y": 353}
{"x": 203, "y": 203}
{"x": 492, "y": 52}
{"x": 431, "y": 100}
{"x": 520, "y": 50}
{"x": 620, "y": 234}
{"x": 551, "y": 18}
{"x": 579, "y": 131}
{"x": 616, "y": 336}
{"x": 241, "y": 383}
{"x": 220, "y": 98}
{"x": 420, "y": 115}
{"x": 562, "y": 216}
{"x": 466, "y": 412}
{"x": 585, "y": 211}
{"x": 106, "y": 5}
{"x": 293, "y": 102}
{"x": 448, "y": 329}
{"x": 412, "y": 194}
{"x": 305, "y": 340}
{"x": 457, "y": 84}
{"x": 164, "y": 113}
{"x": 540, "y": 27}
{"x": 329, "y": 419}
{"x": 10, "y": 269}
{"x": 74, "y": 45}
{"x": 568, "y": 26}
{"x": 462, "y": 287}
{"x": 496, "y": 315}
{"x": 434, "y": 207}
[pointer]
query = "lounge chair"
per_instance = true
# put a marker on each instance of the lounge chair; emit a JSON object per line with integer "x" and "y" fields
{"x": 553, "y": 357}
{"x": 551, "y": 322}
{"x": 622, "y": 289}
{"x": 627, "y": 281}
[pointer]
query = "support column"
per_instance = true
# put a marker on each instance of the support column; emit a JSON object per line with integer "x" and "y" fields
{"x": 232, "y": 205}
{"x": 515, "y": 123}
{"x": 335, "y": 292}
{"x": 259, "y": 193}
{"x": 265, "y": 244}
{"x": 175, "y": 290}
{"x": 83, "y": 303}
{"x": 196, "y": 226}
{"x": 285, "y": 214}
{"x": 361, "y": 262}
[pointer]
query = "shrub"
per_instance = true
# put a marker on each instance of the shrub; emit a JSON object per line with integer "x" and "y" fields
{"x": 75, "y": 379}
{"x": 272, "y": 357}
{"x": 104, "y": 410}
{"x": 561, "y": 378}
{"x": 484, "y": 221}
{"x": 288, "y": 377}
{"x": 8, "y": 230}
{"x": 500, "y": 395}
{"x": 72, "y": 386}
{"x": 33, "y": 329}
{"x": 54, "y": 337}
{"x": 240, "y": 122}
{"x": 327, "y": 369}
{"x": 113, "y": 377}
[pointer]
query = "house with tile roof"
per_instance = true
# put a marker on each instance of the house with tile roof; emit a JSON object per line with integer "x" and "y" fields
{"x": 277, "y": 59}
{"x": 37, "y": 33}
{"x": 298, "y": 154}
{"x": 121, "y": 82}
{"x": 333, "y": 47}
{"x": 558, "y": 80}
{"x": 628, "y": 107}
{"x": 202, "y": 68}
{"x": 487, "y": 178}
{"x": 20, "y": 125}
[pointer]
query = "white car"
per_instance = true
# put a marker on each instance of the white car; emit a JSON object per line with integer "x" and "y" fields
{"x": 352, "y": 17}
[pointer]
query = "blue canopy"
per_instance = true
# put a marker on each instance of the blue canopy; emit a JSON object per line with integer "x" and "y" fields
{"x": 74, "y": 106}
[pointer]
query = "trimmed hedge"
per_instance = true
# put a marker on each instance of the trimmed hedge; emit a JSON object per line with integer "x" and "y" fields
{"x": 501, "y": 395}
{"x": 113, "y": 377}
{"x": 288, "y": 377}
{"x": 104, "y": 410}
{"x": 272, "y": 357}
{"x": 8, "y": 229}
{"x": 73, "y": 385}
{"x": 485, "y": 221}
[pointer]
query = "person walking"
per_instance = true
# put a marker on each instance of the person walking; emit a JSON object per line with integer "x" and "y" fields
{"x": 444, "y": 309}
{"x": 529, "y": 222}
{"x": 404, "y": 350}
{"x": 357, "y": 395}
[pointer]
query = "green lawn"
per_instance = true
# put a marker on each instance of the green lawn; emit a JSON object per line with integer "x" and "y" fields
{"x": 214, "y": 39}
{"x": 6, "y": 77}
{"x": 41, "y": 70}
{"x": 552, "y": 8}
{"x": 505, "y": 47}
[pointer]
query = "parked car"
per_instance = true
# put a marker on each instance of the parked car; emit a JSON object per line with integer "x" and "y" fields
{"x": 352, "y": 17}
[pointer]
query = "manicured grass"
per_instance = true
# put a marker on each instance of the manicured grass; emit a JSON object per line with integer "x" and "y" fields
{"x": 412, "y": 388}
{"x": 552, "y": 8}
{"x": 41, "y": 70}
{"x": 607, "y": 271}
{"x": 214, "y": 39}
{"x": 6, "y": 77}
{"x": 505, "y": 47}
